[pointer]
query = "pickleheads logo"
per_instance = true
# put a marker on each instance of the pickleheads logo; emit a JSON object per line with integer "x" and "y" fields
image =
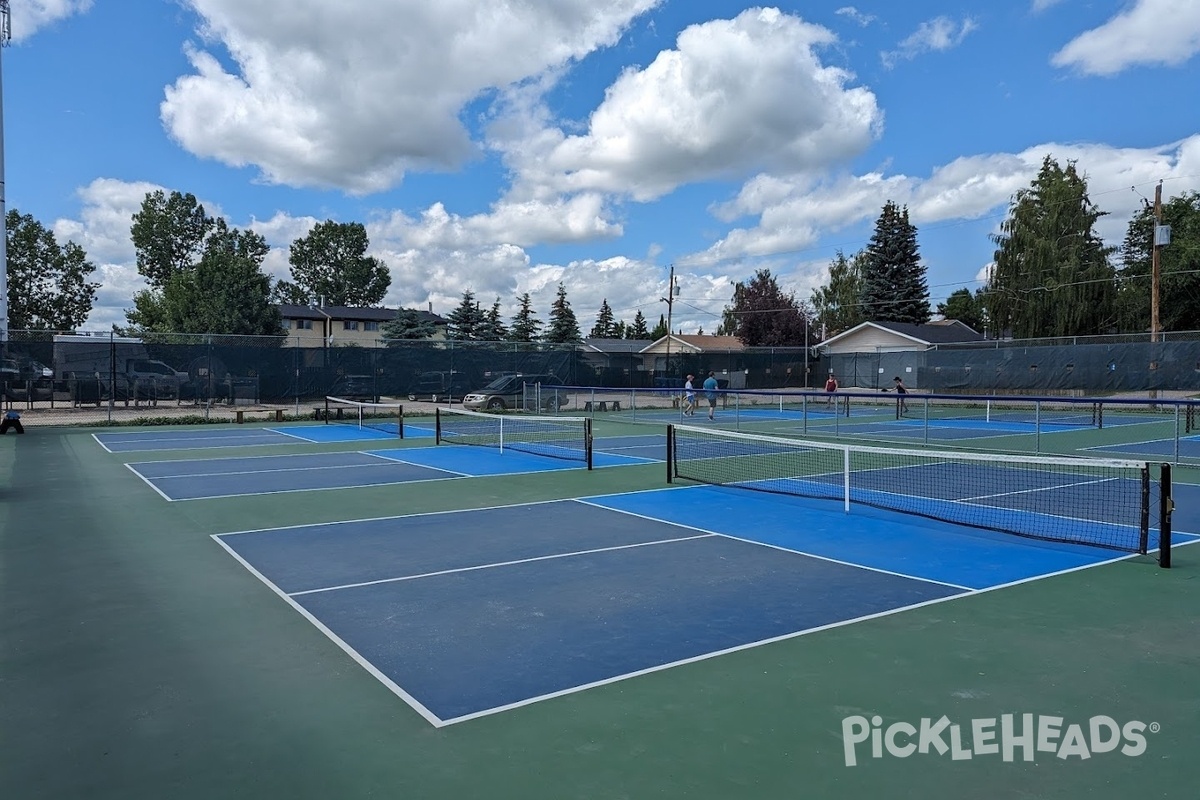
{"x": 1027, "y": 735}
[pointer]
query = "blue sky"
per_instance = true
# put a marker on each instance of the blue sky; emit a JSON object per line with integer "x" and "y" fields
{"x": 505, "y": 147}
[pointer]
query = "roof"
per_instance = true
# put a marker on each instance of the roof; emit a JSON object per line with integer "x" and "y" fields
{"x": 616, "y": 345}
{"x": 290, "y": 311}
{"x": 700, "y": 342}
{"x": 940, "y": 332}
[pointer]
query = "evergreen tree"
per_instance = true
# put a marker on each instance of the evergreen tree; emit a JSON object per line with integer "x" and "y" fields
{"x": 564, "y": 328}
{"x": 1179, "y": 268}
{"x": 660, "y": 330}
{"x": 408, "y": 324}
{"x": 1052, "y": 275}
{"x": 763, "y": 315}
{"x": 605, "y": 327}
{"x": 492, "y": 327}
{"x": 838, "y": 303}
{"x": 47, "y": 282}
{"x": 525, "y": 324}
{"x": 638, "y": 329}
{"x": 464, "y": 321}
{"x": 620, "y": 330}
{"x": 893, "y": 278}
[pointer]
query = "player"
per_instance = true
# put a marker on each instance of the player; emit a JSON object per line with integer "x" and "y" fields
{"x": 831, "y": 386}
{"x": 689, "y": 397}
{"x": 710, "y": 389}
{"x": 901, "y": 390}
{"x": 11, "y": 420}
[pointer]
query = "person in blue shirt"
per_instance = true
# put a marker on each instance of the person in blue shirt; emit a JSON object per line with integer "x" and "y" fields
{"x": 710, "y": 389}
{"x": 11, "y": 420}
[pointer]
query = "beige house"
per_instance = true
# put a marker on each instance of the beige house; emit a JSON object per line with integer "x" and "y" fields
{"x": 317, "y": 326}
{"x": 701, "y": 352}
{"x": 898, "y": 337}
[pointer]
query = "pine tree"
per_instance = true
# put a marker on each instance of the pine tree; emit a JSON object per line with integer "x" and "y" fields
{"x": 492, "y": 328}
{"x": 464, "y": 320}
{"x": 564, "y": 328}
{"x": 605, "y": 327}
{"x": 408, "y": 324}
{"x": 525, "y": 325}
{"x": 638, "y": 329}
{"x": 894, "y": 287}
{"x": 660, "y": 330}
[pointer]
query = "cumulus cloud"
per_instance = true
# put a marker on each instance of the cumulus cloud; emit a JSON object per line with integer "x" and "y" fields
{"x": 935, "y": 35}
{"x": 355, "y": 93}
{"x": 1150, "y": 32}
{"x": 683, "y": 118}
{"x": 853, "y": 14}
{"x": 30, "y": 16}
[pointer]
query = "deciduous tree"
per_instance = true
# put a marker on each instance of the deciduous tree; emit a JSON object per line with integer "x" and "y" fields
{"x": 48, "y": 286}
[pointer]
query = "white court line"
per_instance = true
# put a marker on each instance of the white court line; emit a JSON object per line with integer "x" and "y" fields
{"x": 223, "y": 473}
{"x": 102, "y": 444}
{"x": 780, "y": 548}
{"x": 443, "y": 469}
{"x": 1037, "y": 489}
{"x": 514, "y": 562}
{"x": 146, "y": 480}
{"x": 150, "y": 436}
{"x": 294, "y": 436}
{"x": 415, "y": 704}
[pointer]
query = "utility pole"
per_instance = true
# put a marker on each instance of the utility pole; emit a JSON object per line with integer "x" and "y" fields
{"x": 672, "y": 290}
{"x": 5, "y": 38}
{"x": 1154, "y": 264}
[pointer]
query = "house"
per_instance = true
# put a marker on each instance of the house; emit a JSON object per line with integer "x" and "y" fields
{"x": 895, "y": 337}
{"x": 698, "y": 353}
{"x": 614, "y": 355}
{"x": 316, "y": 326}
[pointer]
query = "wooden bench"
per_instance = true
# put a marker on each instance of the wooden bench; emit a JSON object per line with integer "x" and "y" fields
{"x": 322, "y": 413}
{"x": 242, "y": 412}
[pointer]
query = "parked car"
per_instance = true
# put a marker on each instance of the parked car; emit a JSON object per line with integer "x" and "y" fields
{"x": 437, "y": 387}
{"x": 509, "y": 391}
{"x": 355, "y": 387}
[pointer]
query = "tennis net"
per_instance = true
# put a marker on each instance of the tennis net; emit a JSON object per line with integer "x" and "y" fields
{"x": 1098, "y": 502}
{"x": 383, "y": 417}
{"x": 556, "y": 437}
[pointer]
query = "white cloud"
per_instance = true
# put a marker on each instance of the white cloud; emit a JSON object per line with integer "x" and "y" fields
{"x": 1151, "y": 32}
{"x": 30, "y": 16}
{"x": 684, "y": 117}
{"x": 852, "y": 13}
{"x": 935, "y": 35}
{"x": 355, "y": 93}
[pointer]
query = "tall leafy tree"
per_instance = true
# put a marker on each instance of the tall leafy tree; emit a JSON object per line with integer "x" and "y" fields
{"x": 226, "y": 292}
{"x": 526, "y": 327}
{"x": 893, "y": 279}
{"x": 331, "y": 262}
{"x": 465, "y": 319}
{"x": 1052, "y": 275}
{"x": 48, "y": 286}
{"x": 606, "y": 326}
{"x": 491, "y": 327}
{"x": 965, "y": 307}
{"x": 838, "y": 303}
{"x": 637, "y": 329}
{"x": 408, "y": 324}
{"x": 763, "y": 315}
{"x": 1179, "y": 268}
{"x": 563, "y": 327}
{"x": 169, "y": 234}
{"x": 660, "y": 330}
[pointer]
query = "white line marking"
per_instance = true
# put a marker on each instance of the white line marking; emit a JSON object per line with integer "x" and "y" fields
{"x": 1033, "y": 490}
{"x": 416, "y": 705}
{"x": 293, "y": 435}
{"x": 102, "y": 444}
{"x": 147, "y": 481}
{"x": 223, "y": 473}
{"x": 502, "y": 564}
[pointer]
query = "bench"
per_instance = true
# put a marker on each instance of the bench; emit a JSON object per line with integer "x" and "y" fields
{"x": 601, "y": 405}
{"x": 242, "y": 412}
{"x": 322, "y": 413}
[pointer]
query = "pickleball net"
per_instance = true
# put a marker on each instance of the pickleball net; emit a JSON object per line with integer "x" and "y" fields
{"x": 567, "y": 438}
{"x": 383, "y": 417}
{"x": 1098, "y": 502}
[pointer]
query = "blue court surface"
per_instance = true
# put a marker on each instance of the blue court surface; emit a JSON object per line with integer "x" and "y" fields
{"x": 468, "y": 613}
{"x": 1189, "y": 448}
{"x": 240, "y": 436}
{"x": 210, "y": 478}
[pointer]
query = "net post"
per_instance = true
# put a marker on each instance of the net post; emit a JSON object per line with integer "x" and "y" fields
{"x": 1098, "y": 414}
{"x": 1166, "y": 506}
{"x": 587, "y": 440}
{"x": 400, "y": 420}
{"x": 327, "y": 409}
{"x": 670, "y": 453}
{"x": 437, "y": 426}
{"x": 1144, "y": 533}
{"x": 846, "y": 477}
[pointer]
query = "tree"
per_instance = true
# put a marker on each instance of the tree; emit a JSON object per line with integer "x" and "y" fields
{"x": 1052, "y": 275}
{"x": 763, "y": 315}
{"x": 965, "y": 307}
{"x": 169, "y": 234}
{"x": 620, "y": 330}
{"x": 605, "y": 327}
{"x": 1179, "y": 269}
{"x": 331, "y": 263}
{"x": 525, "y": 325}
{"x": 226, "y": 292}
{"x": 564, "y": 328}
{"x": 638, "y": 329}
{"x": 408, "y": 324}
{"x": 893, "y": 278}
{"x": 48, "y": 285}
{"x": 838, "y": 304}
{"x": 660, "y": 330}
{"x": 465, "y": 319}
{"x": 491, "y": 327}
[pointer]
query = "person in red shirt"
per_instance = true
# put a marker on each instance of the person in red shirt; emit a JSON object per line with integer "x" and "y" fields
{"x": 831, "y": 386}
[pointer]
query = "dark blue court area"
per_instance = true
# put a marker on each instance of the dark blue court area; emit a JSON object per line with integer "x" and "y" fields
{"x": 228, "y": 436}
{"x": 468, "y": 613}
{"x": 210, "y": 478}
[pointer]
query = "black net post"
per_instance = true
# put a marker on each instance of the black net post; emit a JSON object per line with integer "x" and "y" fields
{"x": 326, "y": 415}
{"x": 670, "y": 453}
{"x": 1166, "y": 506}
{"x": 400, "y": 421}
{"x": 437, "y": 426}
{"x": 1144, "y": 541}
{"x": 587, "y": 440}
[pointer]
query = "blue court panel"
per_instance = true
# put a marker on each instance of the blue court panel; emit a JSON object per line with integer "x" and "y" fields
{"x": 481, "y": 461}
{"x": 211, "y": 478}
{"x": 640, "y": 447}
{"x": 479, "y": 639}
{"x": 146, "y": 441}
{"x": 1189, "y": 447}
{"x": 339, "y": 433}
